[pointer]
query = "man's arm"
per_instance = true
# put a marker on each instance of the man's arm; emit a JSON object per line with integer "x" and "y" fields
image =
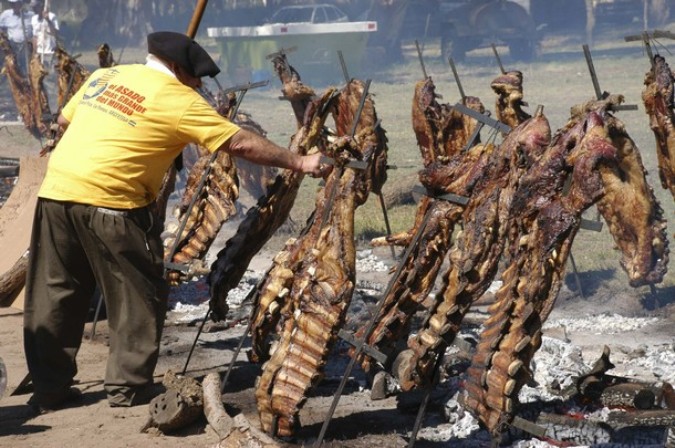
{"x": 257, "y": 149}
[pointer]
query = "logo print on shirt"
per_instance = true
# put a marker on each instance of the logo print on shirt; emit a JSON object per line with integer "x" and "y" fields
{"x": 97, "y": 86}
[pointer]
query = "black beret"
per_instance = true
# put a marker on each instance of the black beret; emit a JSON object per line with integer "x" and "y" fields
{"x": 184, "y": 51}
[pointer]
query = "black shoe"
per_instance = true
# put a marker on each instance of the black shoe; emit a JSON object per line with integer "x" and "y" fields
{"x": 54, "y": 402}
{"x": 134, "y": 396}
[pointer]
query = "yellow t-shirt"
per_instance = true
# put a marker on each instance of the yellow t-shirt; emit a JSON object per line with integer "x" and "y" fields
{"x": 127, "y": 125}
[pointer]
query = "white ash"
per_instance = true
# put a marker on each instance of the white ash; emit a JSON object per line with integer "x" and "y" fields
{"x": 494, "y": 286}
{"x": 554, "y": 366}
{"x": 605, "y": 323}
{"x": 189, "y": 301}
{"x": 660, "y": 360}
{"x": 366, "y": 261}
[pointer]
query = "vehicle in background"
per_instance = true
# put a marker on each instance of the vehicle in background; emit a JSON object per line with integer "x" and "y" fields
{"x": 321, "y": 13}
{"x": 469, "y": 24}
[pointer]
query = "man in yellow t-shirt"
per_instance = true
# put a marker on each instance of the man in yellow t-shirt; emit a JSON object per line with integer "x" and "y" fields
{"x": 93, "y": 226}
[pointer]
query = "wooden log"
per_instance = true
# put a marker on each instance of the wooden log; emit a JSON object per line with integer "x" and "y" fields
{"x": 214, "y": 410}
{"x": 13, "y": 280}
{"x": 235, "y": 431}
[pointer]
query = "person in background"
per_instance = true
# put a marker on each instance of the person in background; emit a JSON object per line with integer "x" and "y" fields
{"x": 44, "y": 26}
{"x": 16, "y": 22}
{"x": 93, "y": 223}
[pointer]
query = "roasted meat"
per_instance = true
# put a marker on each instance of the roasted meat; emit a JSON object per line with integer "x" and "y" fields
{"x": 70, "y": 75}
{"x": 442, "y": 133}
{"x": 475, "y": 255}
{"x": 271, "y": 296}
{"x": 658, "y": 100}
{"x": 267, "y": 216}
{"x": 212, "y": 205}
{"x": 546, "y": 209}
{"x": 628, "y": 205}
{"x": 319, "y": 285}
{"x": 274, "y": 207}
{"x": 509, "y": 89}
{"x": 27, "y": 91}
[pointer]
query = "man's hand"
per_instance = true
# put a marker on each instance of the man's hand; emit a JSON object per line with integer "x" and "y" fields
{"x": 312, "y": 165}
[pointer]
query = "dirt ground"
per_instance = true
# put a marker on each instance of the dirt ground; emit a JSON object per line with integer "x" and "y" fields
{"x": 358, "y": 422}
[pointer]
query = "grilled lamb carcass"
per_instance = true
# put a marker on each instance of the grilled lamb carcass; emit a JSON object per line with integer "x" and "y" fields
{"x": 323, "y": 280}
{"x": 509, "y": 89}
{"x": 633, "y": 215}
{"x": 441, "y": 132}
{"x": 213, "y": 205}
{"x": 476, "y": 252}
{"x": 273, "y": 209}
{"x": 271, "y": 296}
{"x": 27, "y": 91}
{"x": 658, "y": 99}
{"x": 546, "y": 209}
{"x": 322, "y": 286}
{"x": 266, "y": 217}
{"x": 70, "y": 75}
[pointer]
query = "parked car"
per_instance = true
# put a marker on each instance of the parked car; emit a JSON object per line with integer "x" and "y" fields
{"x": 321, "y": 13}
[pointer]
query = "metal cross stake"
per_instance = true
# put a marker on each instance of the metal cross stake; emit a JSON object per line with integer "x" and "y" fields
{"x": 202, "y": 182}
{"x": 499, "y": 59}
{"x": 380, "y": 196}
{"x": 483, "y": 118}
{"x": 457, "y": 80}
{"x": 599, "y": 93}
{"x": 419, "y": 55}
{"x": 360, "y": 344}
{"x": 646, "y": 37}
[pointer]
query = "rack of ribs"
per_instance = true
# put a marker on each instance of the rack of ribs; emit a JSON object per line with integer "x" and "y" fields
{"x": 265, "y": 218}
{"x": 658, "y": 100}
{"x": 546, "y": 210}
{"x": 271, "y": 295}
{"x": 477, "y": 250}
{"x": 318, "y": 272}
{"x": 214, "y": 204}
{"x": 274, "y": 207}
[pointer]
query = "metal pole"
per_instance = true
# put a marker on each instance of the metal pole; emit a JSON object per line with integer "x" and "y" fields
{"x": 576, "y": 276}
{"x": 97, "y": 313}
{"x": 457, "y": 80}
{"x": 194, "y": 343}
{"x": 419, "y": 55}
{"x": 386, "y": 221}
{"x": 358, "y": 347}
{"x": 499, "y": 60}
